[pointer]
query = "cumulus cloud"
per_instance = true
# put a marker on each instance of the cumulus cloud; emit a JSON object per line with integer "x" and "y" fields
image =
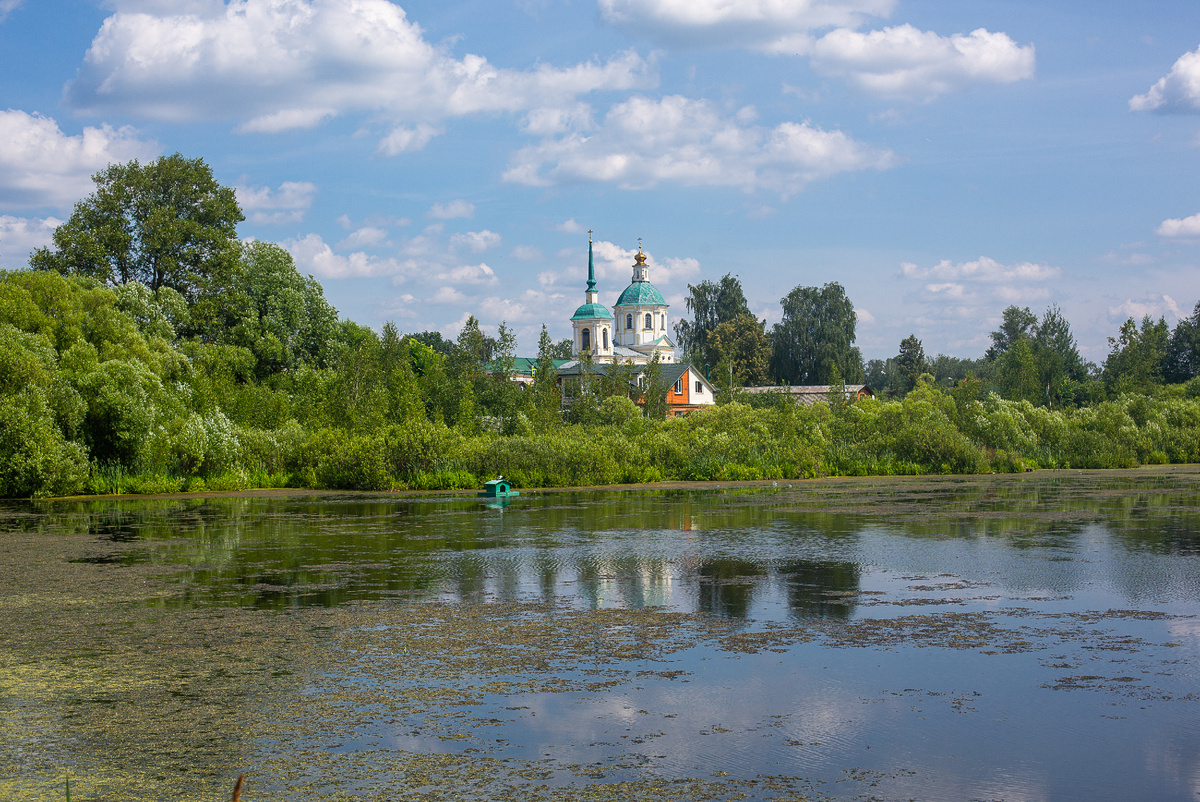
{"x": 476, "y": 241}
{"x": 906, "y": 62}
{"x": 275, "y": 65}
{"x": 1153, "y": 304}
{"x": 643, "y": 142}
{"x": 451, "y": 210}
{"x": 747, "y": 23}
{"x": 1176, "y": 227}
{"x": 403, "y": 140}
{"x": 900, "y": 61}
{"x": 469, "y": 274}
{"x": 1178, "y": 91}
{"x": 966, "y": 294}
{"x": 264, "y": 206}
{"x": 314, "y": 256}
{"x": 19, "y": 236}
{"x": 365, "y": 237}
{"x": 569, "y": 227}
{"x": 41, "y": 166}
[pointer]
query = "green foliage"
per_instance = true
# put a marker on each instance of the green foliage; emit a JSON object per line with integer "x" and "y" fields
{"x": 1137, "y": 356}
{"x": 165, "y": 224}
{"x": 711, "y": 304}
{"x": 815, "y": 339}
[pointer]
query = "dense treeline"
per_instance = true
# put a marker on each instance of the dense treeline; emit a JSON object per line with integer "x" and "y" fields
{"x": 139, "y": 355}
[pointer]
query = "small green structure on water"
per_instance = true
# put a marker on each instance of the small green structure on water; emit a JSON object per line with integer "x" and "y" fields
{"x": 498, "y": 488}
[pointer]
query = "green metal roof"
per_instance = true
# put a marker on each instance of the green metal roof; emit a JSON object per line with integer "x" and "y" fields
{"x": 591, "y": 311}
{"x": 641, "y": 292}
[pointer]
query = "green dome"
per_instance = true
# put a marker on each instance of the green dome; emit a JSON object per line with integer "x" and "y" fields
{"x": 641, "y": 293}
{"x": 592, "y": 311}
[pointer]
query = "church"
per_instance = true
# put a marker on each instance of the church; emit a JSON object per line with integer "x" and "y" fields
{"x": 637, "y": 328}
{"x": 634, "y": 332}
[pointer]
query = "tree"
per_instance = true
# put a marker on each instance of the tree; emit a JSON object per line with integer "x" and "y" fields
{"x": 654, "y": 390}
{"x": 1015, "y": 324}
{"x": 742, "y": 346}
{"x": 165, "y": 224}
{"x": 711, "y": 304}
{"x": 545, "y": 396}
{"x": 1183, "y": 350}
{"x": 279, "y": 315}
{"x": 815, "y": 339}
{"x": 1136, "y": 357}
{"x": 910, "y": 363}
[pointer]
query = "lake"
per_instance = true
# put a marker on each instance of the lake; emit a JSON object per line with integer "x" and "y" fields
{"x": 1025, "y": 637}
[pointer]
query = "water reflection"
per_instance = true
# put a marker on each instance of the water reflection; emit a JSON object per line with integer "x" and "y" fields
{"x": 821, "y": 588}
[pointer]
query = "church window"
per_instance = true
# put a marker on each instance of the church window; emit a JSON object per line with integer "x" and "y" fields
{"x": 629, "y": 322}
{"x": 662, "y": 321}
{"x": 605, "y": 334}
{"x": 649, "y": 321}
{"x": 585, "y": 340}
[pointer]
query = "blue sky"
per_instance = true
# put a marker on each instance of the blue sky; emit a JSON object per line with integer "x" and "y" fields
{"x": 431, "y": 160}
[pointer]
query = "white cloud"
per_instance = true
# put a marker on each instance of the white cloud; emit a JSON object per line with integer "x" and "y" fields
{"x": 365, "y": 237}
{"x": 7, "y": 6}
{"x": 403, "y": 140}
{"x": 906, "y": 62}
{"x": 746, "y": 23}
{"x": 1178, "y": 91}
{"x": 281, "y": 64}
{"x": 313, "y": 256}
{"x": 1153, "y": 304}
{"x": 449, "y": 295}
{"x": 41, "y": 166}
{"x": 570, "y": 227}
{"x": 864, "y": 316}
{"x": 469, "y": 274}
{"x": 643, "y": 142}
{"x": 476, "y": 241}
{"x": 451, "y": 210}
{"x": 983, "y": 270}
{"x": 21, "y": 235}
{"x": 1175, "y": 227}
{"x": 287, "y": 204}
{"x": 614, "y": 267}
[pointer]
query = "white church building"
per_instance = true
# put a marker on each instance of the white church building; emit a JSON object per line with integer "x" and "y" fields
{"x": 634, "y": 331}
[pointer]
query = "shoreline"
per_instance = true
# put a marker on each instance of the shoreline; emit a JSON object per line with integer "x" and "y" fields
{"x": 300, "y": 492}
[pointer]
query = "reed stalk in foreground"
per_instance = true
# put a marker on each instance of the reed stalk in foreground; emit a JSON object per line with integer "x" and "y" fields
{"x": 237, "y": 789}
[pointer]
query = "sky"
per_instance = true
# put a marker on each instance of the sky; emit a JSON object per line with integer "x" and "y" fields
{"x": 428, "y": 161}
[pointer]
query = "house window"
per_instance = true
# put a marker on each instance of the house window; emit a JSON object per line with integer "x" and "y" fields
{"x": 699, "y": 388}
{"x": 585, "y": 340}
{"x": 649, "y": 321}
{"x": 629, "y": 322}
{"x": 604, "y": 333}
{"x": 679, "y": 387}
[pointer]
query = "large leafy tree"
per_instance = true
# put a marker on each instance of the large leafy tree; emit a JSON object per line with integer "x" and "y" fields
{"x": 164, "y": 224}
{"x": 710, "y": 303}
{"x": 1035, "y": 360}
{"x": 814, "y": 343}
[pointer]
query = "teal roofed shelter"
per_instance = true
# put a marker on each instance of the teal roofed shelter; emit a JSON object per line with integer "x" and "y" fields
{"x": 498, "y": 488}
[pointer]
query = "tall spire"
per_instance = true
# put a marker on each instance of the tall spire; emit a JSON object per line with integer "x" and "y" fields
{"x": 591, "y": 286}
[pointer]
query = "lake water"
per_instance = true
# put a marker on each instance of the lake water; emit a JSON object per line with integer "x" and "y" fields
{"x": 1031, "y": 637}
